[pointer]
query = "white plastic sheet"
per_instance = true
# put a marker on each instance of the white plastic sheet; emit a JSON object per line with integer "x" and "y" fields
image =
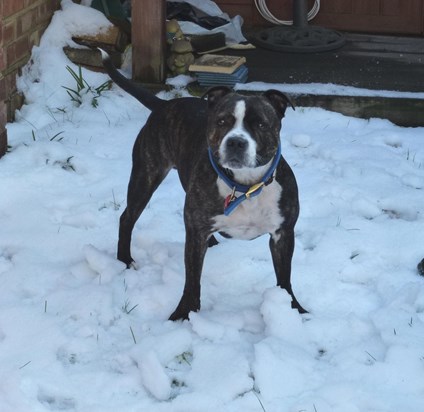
{"x": 232, "y": 30}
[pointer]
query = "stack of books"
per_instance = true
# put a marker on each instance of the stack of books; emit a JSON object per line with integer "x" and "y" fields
{"x": 215, "y": 70}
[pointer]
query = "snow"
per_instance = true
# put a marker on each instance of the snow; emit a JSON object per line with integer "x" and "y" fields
{"x": 79, "y": 332}
{"x": 301, "y": 140}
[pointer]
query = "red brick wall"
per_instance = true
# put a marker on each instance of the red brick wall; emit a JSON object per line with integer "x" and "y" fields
{"x": 22, "y": 23}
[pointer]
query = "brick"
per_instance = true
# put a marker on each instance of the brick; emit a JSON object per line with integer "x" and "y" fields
{"x": 3, "y": 132}
{"x": 3, "y": 89}
{"x": 45, "y": 11}
{"x": 16, "y": 102}
{"x": 3, "y": 143}
{"x": 25, "y": 22}
{"x": 3, "y": 115}
{"x": 2, "y": 60}
{"x": 32, "y": 2}
{"x": 7, "y": 86}
{"x": 49, "y": 8}
{"x": 28, "y": 3}
{"x": 10, "y": 55}
{"x": 9, "y": 33}
{"x": 41, "y": 11}
{"x": 11, "y": 7}
{"x": 11, "y": 83}
{"x": 54, "y": 5}
{"x": 34, "y": 39}
{"x": 22, "y": 49}
{"x": 17, "y": 54}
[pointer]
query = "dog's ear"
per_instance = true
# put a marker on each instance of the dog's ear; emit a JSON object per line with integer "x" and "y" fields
{"x": 279, "y": 100}
{"x": 214, "y": 94}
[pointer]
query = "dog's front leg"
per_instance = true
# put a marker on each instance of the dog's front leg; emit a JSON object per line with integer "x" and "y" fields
{"x": 195, "y": 250}
{"x": 282, "y": 247}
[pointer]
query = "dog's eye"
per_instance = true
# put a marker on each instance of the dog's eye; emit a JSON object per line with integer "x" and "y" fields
{"x": 262, "y": 125}
{"x": 221, "y": 122}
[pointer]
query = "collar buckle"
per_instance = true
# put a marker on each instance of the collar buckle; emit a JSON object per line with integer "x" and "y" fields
{"x": 254, "y": 188}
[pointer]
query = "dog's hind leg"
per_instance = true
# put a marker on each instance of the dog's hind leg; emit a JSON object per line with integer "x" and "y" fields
{"x": 143, "y": 182}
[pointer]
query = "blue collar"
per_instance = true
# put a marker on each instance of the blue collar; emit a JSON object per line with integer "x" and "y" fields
{"x": 231, "y": 201}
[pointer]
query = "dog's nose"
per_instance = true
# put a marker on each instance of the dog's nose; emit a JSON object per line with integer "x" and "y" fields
{"x": 236, "y": 144}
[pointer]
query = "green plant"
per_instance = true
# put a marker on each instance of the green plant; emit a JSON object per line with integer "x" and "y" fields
{"x": 185, "y": 357}
{"x": 57, "y": 135}
{"x": 115, "y": 205}
{"x": 83, "y": 88}
{"x": 126, "y": 307}
{"x": 133, "y": 336}
{"x": 64, "y": 164}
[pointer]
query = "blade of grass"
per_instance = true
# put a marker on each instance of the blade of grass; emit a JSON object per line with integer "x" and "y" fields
{"x": 133, "y": 336}
{"x": 56, "y": 135}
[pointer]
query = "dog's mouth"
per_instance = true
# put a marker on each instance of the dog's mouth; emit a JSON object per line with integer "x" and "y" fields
{"x": 234, "y": 163}
{"x": 228, "y": 161}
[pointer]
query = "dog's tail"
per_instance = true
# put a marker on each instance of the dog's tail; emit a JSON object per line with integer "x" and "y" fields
{"x": 144, "y": 96}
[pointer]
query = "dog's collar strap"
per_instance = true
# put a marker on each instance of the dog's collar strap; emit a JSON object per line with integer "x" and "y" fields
{"x": 232, "y": 201}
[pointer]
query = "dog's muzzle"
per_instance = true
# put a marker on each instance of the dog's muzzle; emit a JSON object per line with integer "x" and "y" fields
{"x": 235, "y": 153}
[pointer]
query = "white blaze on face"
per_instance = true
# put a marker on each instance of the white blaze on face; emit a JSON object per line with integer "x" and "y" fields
{"x": 238, "y": 130}
{"x": 239, "y": 113}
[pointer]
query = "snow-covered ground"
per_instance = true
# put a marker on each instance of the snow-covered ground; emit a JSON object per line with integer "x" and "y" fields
{"x": 79, "y": 332}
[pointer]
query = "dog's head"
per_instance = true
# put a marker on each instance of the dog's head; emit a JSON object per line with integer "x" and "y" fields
{"x": 244, "y": 131}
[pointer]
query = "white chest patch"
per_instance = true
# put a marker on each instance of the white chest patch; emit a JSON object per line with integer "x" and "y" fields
{"x": 253, "y": 217}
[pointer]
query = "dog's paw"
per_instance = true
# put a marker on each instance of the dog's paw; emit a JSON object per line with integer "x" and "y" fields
{"x": 184, "y": 308}
{"x": 177, "y": 315}
{"x": 128, "y": 260}
{"x": 296, "y": 305}
{"x": 132, "y": 265}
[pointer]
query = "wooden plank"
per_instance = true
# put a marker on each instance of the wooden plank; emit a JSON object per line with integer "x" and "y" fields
{"x": 406, "y": 112}
{"x": 401, "y": 111}
{"x": 376, "y": 16}
{"x": 337, "y": 7}
{"x": 396, "y": 48}
{"x": 367, "y": 7}
{"x": 382, "y": 16}
{"x": 392, "y": 7}
{"x": 148, "y": 40}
